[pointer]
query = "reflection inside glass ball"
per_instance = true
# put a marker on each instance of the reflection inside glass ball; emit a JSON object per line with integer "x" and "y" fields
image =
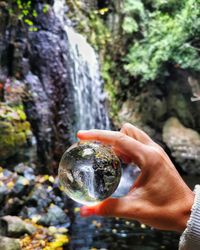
{"x": 89, "y": 172}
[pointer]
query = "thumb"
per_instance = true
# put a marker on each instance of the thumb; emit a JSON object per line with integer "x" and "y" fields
{"x": 113, "y": 207}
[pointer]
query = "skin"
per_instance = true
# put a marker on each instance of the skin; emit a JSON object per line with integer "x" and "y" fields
{"x": 159, "y": 197}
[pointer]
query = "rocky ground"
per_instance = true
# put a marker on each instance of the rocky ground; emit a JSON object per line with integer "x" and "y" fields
{"x": 32, "y": 210}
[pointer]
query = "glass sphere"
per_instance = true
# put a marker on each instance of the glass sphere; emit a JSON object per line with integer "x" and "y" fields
{"x": 89, "y": 172}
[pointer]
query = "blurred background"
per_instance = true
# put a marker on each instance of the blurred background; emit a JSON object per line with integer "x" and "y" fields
{"x": 67, "y": 65}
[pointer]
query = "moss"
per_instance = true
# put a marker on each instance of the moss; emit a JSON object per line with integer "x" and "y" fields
{"x": 7, "y": 143}
{"x": 26, "y": 126}
{"x": 14, "y": 130}
{"x": 6, "y": 140}
{"x": 6, "y": 128}
{"x": 22, "y": 115}
{"x": 20, "y": 139}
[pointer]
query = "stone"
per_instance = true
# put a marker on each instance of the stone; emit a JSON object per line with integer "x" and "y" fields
{"x": 28, "y": 212}
{"x": 26, "y": 171}
{"x": 9, "y": 243}
{"x": 21, "y": 186}
{"x": 184, "y": 144}
{"x": 13, "y": 206}
{"x": 55, "y": 216}
{"x": 39, "y": 197}
{"x": 13, "y": 226}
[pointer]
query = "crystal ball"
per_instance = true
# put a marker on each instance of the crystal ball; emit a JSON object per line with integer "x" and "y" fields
{"x": 89, "y": 172}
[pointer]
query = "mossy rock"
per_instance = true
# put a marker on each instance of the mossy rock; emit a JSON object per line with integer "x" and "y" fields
{"x": 6, "y": 127}
{"x": 14, "y": 131}
{"x": 7, "y": 145}
{"x": 22, "y": 115}
{"x": 20, "y": 139}
{"x": 26, "y": 126}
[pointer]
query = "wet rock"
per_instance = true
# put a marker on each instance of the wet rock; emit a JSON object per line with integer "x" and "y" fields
{"x": 13, "y": 206}
{"x": 7, "y": 173}
{"x": 13, "y": 226}
{"x": 28, "y": 212}
{"x": 22, "y": 186}
{"x": 26, "y": 171}
{"x": 9, "y": 243}
{"x": 39, "y": 197}
{"x": 55, "y": 216}
{"x": 184, "y": 144}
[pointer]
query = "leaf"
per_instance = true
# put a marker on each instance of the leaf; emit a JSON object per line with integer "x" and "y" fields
{"x": 130, "y": 25}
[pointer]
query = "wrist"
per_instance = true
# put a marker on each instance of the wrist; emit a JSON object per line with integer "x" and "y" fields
{"x": 185, "y": 209}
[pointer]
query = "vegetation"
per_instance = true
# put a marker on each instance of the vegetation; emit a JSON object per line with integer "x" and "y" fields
{"x": 25, "y": 9}
{"x": 163, "y": 33}
{"x": 156, "y": 36}
{"x": 26, "y": 12}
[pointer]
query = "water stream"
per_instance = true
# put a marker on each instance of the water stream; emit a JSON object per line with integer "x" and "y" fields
{"x": 84, "y": 70}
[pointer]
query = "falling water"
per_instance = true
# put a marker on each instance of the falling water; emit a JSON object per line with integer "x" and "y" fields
{"x": 84, "y": 70}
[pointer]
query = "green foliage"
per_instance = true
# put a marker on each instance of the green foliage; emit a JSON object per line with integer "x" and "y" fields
{"x": 134, "y": 13}
{"x": 45, "y": 8}
{"x": 26, "y": 13}
{"x": 90, "y": 24}
{"x": 24, "y": 8}
{"x": 161, "y": 37}
{"x": 110, "y": 85}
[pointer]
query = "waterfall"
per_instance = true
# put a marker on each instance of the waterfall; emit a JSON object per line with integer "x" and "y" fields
{"x": 62, "y": 78}
{"x": 85, "y": 75}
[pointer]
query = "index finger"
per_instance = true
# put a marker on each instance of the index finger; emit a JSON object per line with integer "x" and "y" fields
{"x": 127, "y": 145}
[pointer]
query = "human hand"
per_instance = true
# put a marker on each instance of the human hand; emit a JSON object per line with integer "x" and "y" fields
{"x": 159, "y": 197}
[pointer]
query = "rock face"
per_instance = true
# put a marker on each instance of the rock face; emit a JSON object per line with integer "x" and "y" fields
{"x": 38, "y": 60}
{"x": 151, "y": 108}
{"x": 184, "y": 144}
{"x": 41, "y": 58}
{"x": 155, "y": 104}
{"x": 130, "y": 112}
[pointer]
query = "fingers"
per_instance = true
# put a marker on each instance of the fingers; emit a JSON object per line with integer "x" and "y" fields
{"x": 128, "y": 146}
{"x": 126, "y": 159}
{"x": 111, "y": 207}
{"x": 134, "y": 132}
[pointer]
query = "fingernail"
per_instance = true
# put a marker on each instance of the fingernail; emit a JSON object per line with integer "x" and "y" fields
{"x": 86, "y": 211}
